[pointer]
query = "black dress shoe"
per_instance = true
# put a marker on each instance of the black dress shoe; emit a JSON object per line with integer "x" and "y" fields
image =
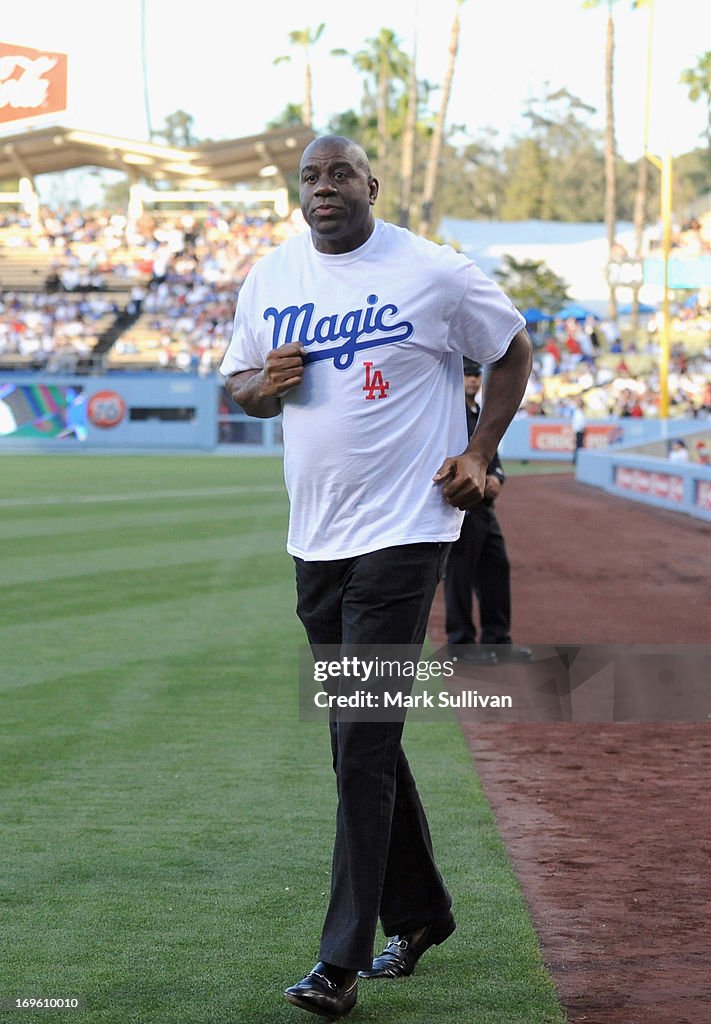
{"x": 319, "y": 993}
{"x": 509, "y": 652}
{"x": 402, "y": 952}
{"x": 472, "y": 654}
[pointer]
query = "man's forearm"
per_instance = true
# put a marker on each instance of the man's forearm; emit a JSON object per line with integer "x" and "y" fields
{"x": 246, "y": 389}
{"x": 504, "y": 387}
{"x": 260, "y": 392}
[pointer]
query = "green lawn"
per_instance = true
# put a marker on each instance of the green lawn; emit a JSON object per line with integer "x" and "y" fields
{"x": 166, "y": 818}
{"x": 519, "y": 468}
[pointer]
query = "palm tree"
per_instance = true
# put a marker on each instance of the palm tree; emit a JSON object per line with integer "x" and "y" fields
{"x": 430, "y": 187}
{"x": 698, "y": 80}
{"x": 639, "y": 218}
{"x": 610, "y": 146}
{"x": 642, "y": 186}
{"x": 387, "y": 63}
{"x": 305, "y": 38}
{"x": 407, "y": 156}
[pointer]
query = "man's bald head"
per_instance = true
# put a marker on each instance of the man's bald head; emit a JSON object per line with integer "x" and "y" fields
{"x": 337, "y": 144}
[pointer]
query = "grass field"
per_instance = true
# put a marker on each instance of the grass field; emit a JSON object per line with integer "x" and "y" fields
{"x": 166, "y": 818}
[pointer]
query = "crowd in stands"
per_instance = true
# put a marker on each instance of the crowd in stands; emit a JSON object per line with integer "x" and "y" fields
{"x": 589, "y": 360}
{"x": 691, "y": 238}
{"x": 177, "y": 276}
{"x": 180, "y": 274}
{"x": 50, "y": 331}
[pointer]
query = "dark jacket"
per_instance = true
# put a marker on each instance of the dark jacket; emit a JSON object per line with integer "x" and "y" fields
{"x": 494, "y": 468}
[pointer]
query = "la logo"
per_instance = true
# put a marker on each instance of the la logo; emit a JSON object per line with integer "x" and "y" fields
{"x": 374, "y": 383}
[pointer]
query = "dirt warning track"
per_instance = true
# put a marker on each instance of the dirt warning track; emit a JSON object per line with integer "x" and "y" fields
{"x": 608, "y": 826}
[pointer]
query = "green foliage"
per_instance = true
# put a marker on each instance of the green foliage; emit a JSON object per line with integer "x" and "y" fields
{"x": 350, "y": 124}
{"x": 116, "y": 194}
{"x": 292, "y": 114}
{"x": 471, "y": 183}
{"x": 692, "y": 176}
{"x": 698, "y": 82}
{"x": 385, "y": 68}
{"x": 528, "y": 193}
{"x": 304, "y": 38}
{"x": 554, "y": 171}
{"x": 178, "y": 130}
{"x": 532, "y": 283}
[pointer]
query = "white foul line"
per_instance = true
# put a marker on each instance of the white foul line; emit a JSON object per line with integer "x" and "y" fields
{"x": 88, "y": 499}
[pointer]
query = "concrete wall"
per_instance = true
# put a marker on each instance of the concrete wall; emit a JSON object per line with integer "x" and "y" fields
{"x": 680, "y": 487}
{"x": 155, "y": 411}
{"x": 132, "y": 411}
{"x": 542, "y": 437}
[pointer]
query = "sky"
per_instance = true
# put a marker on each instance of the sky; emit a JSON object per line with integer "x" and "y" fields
{"x": 214, "y": 59}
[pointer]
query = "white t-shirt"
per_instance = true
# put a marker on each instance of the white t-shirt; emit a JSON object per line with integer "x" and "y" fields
{"x": 381, "y": 404}
{"x": 578, "y": 420}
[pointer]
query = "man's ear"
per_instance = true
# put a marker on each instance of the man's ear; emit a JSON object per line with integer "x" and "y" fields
{"x": 374, "y": 186}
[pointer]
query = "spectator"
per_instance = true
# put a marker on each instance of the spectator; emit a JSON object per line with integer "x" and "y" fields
{"x": 479, "y": 563}
{"x": 578, "y": 422}
{"x": 678, "y": 452}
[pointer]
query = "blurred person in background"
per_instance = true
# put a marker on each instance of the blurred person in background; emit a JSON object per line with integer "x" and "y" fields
{"x": 479, "y": 565}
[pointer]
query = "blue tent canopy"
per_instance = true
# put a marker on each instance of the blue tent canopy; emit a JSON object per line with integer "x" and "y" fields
{"x": 626, "y": 308}
{"x": 534, "y": 316}
{"x": 575, "y": 312}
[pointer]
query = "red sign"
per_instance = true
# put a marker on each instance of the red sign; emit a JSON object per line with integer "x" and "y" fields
{"x": 32, "y": 82}
{"x": 551, "y": 437}
{"x": 703, "y": 495}
{"x": 106, "y": 409}
{"x": 602, "y": 435}
{"x": 658, "y": 485}
{"x": 559, "y": 437}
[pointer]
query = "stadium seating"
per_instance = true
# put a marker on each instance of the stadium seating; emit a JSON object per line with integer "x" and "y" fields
{"x": 164, "y": 292}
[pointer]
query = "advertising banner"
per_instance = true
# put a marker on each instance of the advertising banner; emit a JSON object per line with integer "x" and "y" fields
{"x": 42, "y": 411}
{"x": 684, "y": 271}
{"x": 32, "y": 82}
{"x": 559, "y": 437}
{"x": 703, "y": 495}
{"x": 641, "y": 481}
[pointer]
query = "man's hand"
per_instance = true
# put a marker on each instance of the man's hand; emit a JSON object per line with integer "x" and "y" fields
{"x": 492, "y": 488}
{"x": 464, "y": 480}
{"x": 283, "y": 370}
{"x": 259, "y": 392}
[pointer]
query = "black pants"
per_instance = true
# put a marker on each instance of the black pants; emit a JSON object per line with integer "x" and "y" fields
{"x": 579, "y": 443}
{"x": 383, "y": 865}
{"x": 478, "y": 564}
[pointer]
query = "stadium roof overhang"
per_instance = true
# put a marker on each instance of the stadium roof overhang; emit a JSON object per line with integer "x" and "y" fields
{"x": 206, "y": 164}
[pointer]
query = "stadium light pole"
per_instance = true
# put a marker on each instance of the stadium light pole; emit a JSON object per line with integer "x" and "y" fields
{"x": 663, "y": 164}
{"x": 144, "y": 69}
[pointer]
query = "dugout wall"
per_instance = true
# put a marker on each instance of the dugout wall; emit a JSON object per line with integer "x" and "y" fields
{"x": 170, "y": 411}
{"x": 142, "y": 411}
